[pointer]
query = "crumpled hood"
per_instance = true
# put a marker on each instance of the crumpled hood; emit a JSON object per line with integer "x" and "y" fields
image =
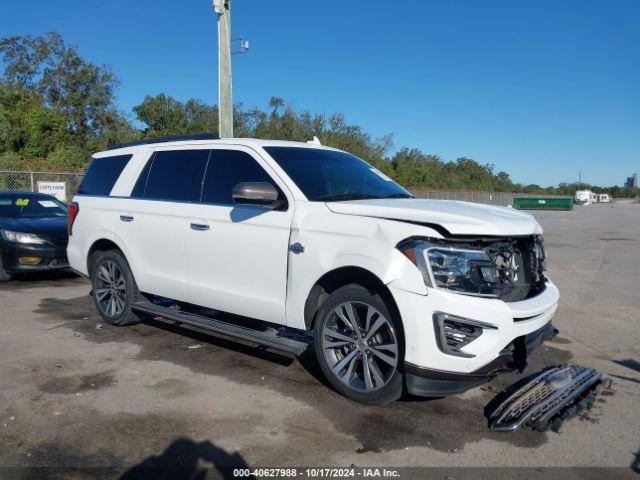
{"x": 458, "y": 218}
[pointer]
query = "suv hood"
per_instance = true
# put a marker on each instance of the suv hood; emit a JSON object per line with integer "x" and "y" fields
{"x": 458, "y": 218}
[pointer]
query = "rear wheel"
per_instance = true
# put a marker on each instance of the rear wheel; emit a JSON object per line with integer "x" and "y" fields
{"x": 4, "y": 275}
{"x": 358, "y": 345}
{"x": 114, "y": 288}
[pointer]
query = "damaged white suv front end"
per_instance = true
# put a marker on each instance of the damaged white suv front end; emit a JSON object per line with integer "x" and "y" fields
{"x": 471, "y": 288}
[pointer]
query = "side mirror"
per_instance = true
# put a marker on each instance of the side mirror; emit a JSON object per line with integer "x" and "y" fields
{"x": 256, "y": 193}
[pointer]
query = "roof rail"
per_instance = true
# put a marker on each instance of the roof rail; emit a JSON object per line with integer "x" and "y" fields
{"x": 173, "y": 138}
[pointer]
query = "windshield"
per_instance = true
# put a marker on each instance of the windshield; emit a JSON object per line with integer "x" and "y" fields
{"x": 330, "y": 175}
{"x": 30, "y": 206}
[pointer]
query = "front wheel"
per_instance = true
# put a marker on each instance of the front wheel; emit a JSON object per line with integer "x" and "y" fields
{"x": 114, "y": 288}
{"x": 358, "y": 346}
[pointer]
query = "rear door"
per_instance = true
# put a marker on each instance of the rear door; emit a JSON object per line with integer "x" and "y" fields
{"x": 153, "y": 223}
{"x": 236, "y": 255}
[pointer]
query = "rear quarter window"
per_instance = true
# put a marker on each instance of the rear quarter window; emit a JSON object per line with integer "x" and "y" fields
{"x": 173, "y": 175}
{"x": 102, "y": 175}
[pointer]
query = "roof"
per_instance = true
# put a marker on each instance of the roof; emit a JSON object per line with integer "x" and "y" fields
{"x": 163, "y": 142}
{"x": 174, "y": 138}
{"x": 23, "y": 194}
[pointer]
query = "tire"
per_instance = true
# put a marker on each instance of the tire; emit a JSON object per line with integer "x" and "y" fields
{"x": 4, "y": 275}
{"x": 355, "y": 363}
{"x": 114, "y": 288}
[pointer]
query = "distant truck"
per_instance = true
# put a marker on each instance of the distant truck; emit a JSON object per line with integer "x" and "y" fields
{"x": 584, "y": 197}
{"x": 602, "y": 198}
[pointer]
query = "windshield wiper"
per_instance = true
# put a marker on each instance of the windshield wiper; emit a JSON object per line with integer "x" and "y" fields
{"x": 351, "y": 196}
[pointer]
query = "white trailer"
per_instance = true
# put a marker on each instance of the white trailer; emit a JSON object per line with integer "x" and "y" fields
{"x": 584, "y": 197}
{"x": 603, "y": 198}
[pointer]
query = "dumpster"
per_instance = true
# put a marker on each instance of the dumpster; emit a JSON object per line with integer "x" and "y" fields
{"x": 543, "y": 203}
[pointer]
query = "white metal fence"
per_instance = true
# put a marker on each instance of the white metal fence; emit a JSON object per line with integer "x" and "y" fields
{"x": 28, "y": 182}
{"x": 487, "y": 198}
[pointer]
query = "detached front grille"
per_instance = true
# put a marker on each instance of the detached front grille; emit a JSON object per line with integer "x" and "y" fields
{"x": 549, "y": 398}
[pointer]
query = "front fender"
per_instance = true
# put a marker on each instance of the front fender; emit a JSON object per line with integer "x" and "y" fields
{"x": 332, "y": 241}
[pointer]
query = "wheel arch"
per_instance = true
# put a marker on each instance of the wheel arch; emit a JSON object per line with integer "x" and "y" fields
{"x": 102, "y": 245}
{"x": 339, "y": 277}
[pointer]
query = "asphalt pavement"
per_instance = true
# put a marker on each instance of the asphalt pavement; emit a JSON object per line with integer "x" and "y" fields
{"x": 78, "y": 395}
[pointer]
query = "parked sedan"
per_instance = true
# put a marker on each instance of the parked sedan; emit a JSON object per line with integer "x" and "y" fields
{"x": 33, "y": 233}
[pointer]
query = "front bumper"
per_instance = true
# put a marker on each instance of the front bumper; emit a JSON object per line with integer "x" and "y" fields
{"x": 427, "y": 382}
{"x": 519, "y": 327}
{"x": 51, "y": 257}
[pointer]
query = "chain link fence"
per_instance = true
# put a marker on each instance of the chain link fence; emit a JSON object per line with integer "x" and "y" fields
{"x": 28, "y": 181}
{"x": 487, "y": 198}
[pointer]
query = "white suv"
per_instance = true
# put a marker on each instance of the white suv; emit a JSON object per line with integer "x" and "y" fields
{"x": 280, "y": 242}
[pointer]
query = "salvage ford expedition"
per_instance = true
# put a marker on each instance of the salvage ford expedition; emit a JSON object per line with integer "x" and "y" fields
{"x": 286, "y": 244}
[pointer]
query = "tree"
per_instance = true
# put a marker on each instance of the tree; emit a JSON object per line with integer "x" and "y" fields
{"x": 56, "y": 109}
{"x": 79, "y": 90}
{"x": 27, "y": 126}
{"x": 25, "y": 58}
{"x": 164, "y": 115}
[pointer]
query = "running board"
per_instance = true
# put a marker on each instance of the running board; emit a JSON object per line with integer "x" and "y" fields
{"x": 552, "y": 396}
{"x": 270, "y": 337}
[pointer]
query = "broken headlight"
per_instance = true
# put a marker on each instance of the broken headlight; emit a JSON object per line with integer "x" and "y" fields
{"x": 467, "y": 271}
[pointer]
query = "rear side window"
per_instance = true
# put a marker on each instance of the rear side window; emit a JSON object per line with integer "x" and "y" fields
{"x": 226, "y": 169}
{"x": 173, "y": 175}
{"x": 102, "y": 175}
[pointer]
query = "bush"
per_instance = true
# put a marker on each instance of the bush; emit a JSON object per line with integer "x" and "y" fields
{"x": 10, "y": 161}
{"x": 67, "y": 159}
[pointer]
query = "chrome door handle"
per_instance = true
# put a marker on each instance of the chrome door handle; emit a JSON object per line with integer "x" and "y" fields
{"x": 126, "y": 218}
{"x": 200, "y": 227}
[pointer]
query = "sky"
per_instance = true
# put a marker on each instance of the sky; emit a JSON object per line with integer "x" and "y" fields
{"x": 543, "y": 89}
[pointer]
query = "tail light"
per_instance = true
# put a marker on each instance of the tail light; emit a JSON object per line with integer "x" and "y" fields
{"x": 74, "y": 209}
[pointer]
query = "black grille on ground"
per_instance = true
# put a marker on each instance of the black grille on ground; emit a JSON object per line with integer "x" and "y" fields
{"x": 548, "y": 399}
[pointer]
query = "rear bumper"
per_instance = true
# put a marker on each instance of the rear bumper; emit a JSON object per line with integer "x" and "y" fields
{"x": 50, "y": 258}
{"x": 427, "y": 382}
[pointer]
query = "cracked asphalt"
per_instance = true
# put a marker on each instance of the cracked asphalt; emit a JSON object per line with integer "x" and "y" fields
{"x": 80, "y": 396}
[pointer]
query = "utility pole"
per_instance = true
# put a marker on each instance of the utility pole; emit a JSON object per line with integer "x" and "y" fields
{"x": 225, "y": 103}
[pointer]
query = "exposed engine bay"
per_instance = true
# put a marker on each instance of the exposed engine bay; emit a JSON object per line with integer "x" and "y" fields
{"x": 517, "y": 265}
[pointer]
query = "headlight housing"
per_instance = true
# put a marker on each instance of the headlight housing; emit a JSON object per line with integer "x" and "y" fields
{"x": 20, "y": 237}
{"x": 462, "y": 270}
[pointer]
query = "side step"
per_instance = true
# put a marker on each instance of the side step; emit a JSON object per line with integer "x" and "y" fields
{"x": 270, "y": 337}
{"x": 551, "y": 397}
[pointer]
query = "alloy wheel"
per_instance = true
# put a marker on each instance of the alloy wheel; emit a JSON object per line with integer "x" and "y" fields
{"x": 111, "y": 289}
{"x": 360, "y": 346}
